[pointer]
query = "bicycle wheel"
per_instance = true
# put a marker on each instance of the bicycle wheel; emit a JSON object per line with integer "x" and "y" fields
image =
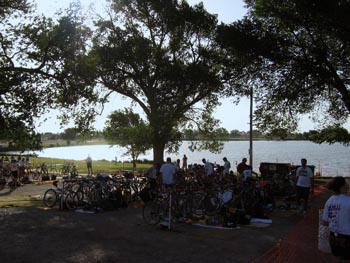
{"x": 196, "y": 204}
{"x": 36, "y": 176}
{"x": 72, "y": 201}
{"x": 50, "y": 197}
{"x": 77, "y": 189}
{"x": 211, "y": 204}
{"x": 184, "y": 207}
{"x": 151, "y": 212}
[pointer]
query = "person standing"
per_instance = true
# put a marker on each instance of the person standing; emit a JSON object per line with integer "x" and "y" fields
{"x": 177, "y": 165}
{"x": 227, "y": 166}
{"x": 20, "y": 165}
{"x": 167, "y": 172}
{"x": 336, "y": 215}
{"x": 304, "y": 185}
{"x": 184, "y": 162}
{"x": 209, "y": 168}
{"x": 242, "y": 166}
{"x": 89, "y": 164}
{"x": 14, "y": 172}
{"x": 153, "y": 174}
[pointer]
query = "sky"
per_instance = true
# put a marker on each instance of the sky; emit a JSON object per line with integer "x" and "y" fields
{"x": 231, "y": 116}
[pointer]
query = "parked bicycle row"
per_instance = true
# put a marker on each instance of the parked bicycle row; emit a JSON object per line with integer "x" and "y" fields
{"x": 244, "y": 192}
{"x": 103, "y": 191}
{"x": 191, "y": 197}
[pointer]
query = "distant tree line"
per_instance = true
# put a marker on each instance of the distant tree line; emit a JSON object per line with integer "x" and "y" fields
{"x": 72, "y": 134}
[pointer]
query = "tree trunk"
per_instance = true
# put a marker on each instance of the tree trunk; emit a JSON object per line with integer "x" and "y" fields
{"x": 133, "y": 159}
{"x": 158, "y": 152}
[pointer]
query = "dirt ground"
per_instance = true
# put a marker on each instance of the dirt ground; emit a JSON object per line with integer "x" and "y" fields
{"x": 31, "y": 233}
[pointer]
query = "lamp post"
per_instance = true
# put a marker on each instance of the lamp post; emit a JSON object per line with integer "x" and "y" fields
{"x": 251, "y": 129}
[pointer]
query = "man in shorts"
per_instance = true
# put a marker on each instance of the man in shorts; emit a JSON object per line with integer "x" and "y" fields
{"x": 304, "y": 184}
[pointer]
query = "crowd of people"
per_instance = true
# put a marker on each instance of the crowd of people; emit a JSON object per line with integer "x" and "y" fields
{"x": 13, "y": 167}
{"x": 336, "y": 213}
{"x": 167, "y": 173}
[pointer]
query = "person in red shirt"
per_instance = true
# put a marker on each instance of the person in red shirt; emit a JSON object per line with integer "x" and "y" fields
{"x": 241, "y": 167}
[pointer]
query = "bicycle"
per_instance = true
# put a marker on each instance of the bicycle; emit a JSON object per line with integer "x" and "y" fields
{"x": 60, "y": 195}
{"x": 161, "y": 206}
{"x": 52, "y": 196}
{"x": 53, "y": 169}
{"x": 169, "y": 206}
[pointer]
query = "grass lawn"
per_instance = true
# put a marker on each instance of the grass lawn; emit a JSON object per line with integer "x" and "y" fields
{"x": 55, "y": 165}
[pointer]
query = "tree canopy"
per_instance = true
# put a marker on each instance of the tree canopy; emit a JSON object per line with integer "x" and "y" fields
{"x": 38, "y": 57}
{"x": 162, "y": 55}
{"x": 296, "y": 55}
{"x": 127, "y": 129}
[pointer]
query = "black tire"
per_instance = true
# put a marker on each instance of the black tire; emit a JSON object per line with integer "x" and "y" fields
{"x": 50, "y": 197}
{"x": 36, "y": 176}
{"x": 151, "y": 212}
{"x": 72, "y": 201}
{"x": 184, "y": 208}
{"x": 196, "y": 204}
{"x": 211, "y": 204}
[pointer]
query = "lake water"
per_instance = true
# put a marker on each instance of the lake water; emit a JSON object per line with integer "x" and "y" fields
{"x": 330, "y": 160}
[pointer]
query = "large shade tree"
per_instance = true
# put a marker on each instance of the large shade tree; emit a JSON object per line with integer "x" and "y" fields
{"x": 161, "y": 54}
{"x": 38, "y": 70}
{"x": 297, "y": 57}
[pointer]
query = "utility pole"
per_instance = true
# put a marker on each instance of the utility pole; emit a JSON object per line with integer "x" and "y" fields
{"x": 251, "y": 128}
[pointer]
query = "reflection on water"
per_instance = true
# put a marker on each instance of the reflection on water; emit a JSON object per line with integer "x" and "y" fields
{"x": 331, "y": 160}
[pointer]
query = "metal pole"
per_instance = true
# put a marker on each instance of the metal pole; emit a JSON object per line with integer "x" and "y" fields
{"x": 251, "y": 129}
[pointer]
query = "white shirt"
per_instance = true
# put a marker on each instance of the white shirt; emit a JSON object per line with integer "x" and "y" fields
{"x": 13, "y": 166}
{"x": 247, "y": 174}
{"x": 20, "y": 163}
{"x": 304, "y": 175}
{"x": 227, "y": 166}
{"x": 209, "y": 168}
{"x": 337, "y": 213}
{"x": 168, "y": 170}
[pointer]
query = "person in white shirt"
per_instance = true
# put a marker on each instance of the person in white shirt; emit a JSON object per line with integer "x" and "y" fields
{"x": 209, "y": 168}
{"x": 168, "y": 172}
{"x": 14, "y": 172}
{"x": 248, "y": 174}
{"x": 184, "y": 162}
{"x": 304, "y": 185}
{"x": 336, "y": 215}
{"x": 227, "y": 166}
